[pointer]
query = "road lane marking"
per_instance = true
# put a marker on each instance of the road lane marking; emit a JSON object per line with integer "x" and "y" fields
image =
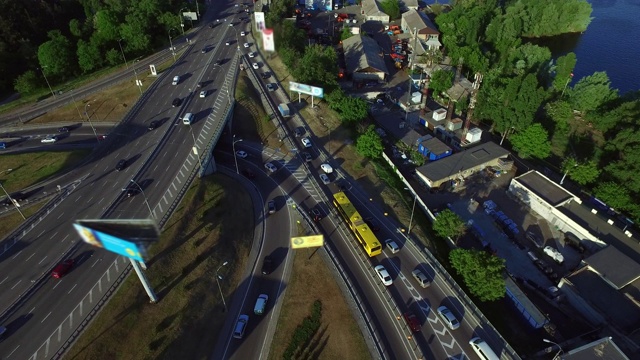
{"x": 16, "y": 284}
{"x": 74, "y": 286}
{"x": 56, "y": 285}
{"x": 14, "y": 350}
{"x": 61, "y": 214}
{"x": 45, "y": 318}
{"x": 29, "y": 258}
{"x": 5, "y": 279}
{"x": 96, "y": 262}
{"x": 42, "y": 259}
{"x": 17, "y": 254}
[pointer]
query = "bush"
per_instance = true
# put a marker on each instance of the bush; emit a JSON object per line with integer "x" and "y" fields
{"x": 305, "y": 331}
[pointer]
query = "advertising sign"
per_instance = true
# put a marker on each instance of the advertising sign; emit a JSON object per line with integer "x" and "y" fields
{"x": 306, "y": 89}
{"x": 260, "y": 24}
{"x": 123, "y": 237}
{"x": 267, "y": 40}
{"x": 307, "y": 241}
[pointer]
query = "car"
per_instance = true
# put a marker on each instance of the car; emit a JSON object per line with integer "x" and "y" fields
{"x": 261, "y": 304}
{"x": 383, "y": 274}
{"x": 230, "y": 24}
{"x": 534, "y": 239}
{"x": 372, "y": 223}
{"x": 554, "y": 254}
{"x": 299, "y": 131}
{"x": 203, "y": 51}
{"x": 421, "y": 278}
{"x": 448, "y": 318}
{"x": 255, "y": 66}
{"x": 227, "y": 43}
{"x": 49, "y": 139}
{"x": 121, "y": 165}
{"x": 325, "y": 179}
{"x": 200, "y": 84}
{"x": 246, "y": 45}
{"x": 176, "y": 80}
{"x": 412, "y": 321}
{"x": 306, "y": 156}
{"x": 269, "y": 166}
{"x": 242, "y": 33}
{"x": 392, "y": 246}
{"x": 64, "y": 129}
{"x": 306, "y": 142}
{"x": 62, "y": 269}
{"x": 219, "y": 62}
{"x": 211, "y": 25}
{"x": 272, "y": 87}
{"x": 267, "y": 265}
{"x": 240, "y": 327}
{"x": 271, "y": 205}
{"x": 131, "y": 190}
{"x": 241, "y": 154}
{"x": 203, "y": 93}
{"x": 326, "y": 168}
{"x": 176, "y": 102}
{"x": 265, "y": 75}
{"x": 252, "y": 54}
{"x": 315, "y": 214}
{"x": 248, "y": 173}
{"x": 154, "y": 124}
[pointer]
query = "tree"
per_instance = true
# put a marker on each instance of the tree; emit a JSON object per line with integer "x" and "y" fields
{"x": 89, "y": 57}
{"x": 532, "y": 142}
{"x": 583, "y": 173}
{"x": 346, "y": 33}
{"x": 563, "y": 71}
{"x": 614, "y": 195}
{"x": 441, "y": 80}
{"x": 448, "y": 224}
{"x": 27, "y": 83}
{"x": 369, "y": 144}
{"x": 481, "y": 272}
{"x": 56, "y": 56}
{"x": 318, "y": 66}
{"x": 391, "y": 8}
{"x": 106, "y": 25}
{"x": 350, "y": 109}
{"x": 560, "y": 112}
{"x": 591, "y": 92}
{"x": 114, "y": 57}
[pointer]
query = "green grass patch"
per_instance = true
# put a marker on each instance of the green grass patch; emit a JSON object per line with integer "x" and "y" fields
{"x": 299, "y": 344}
{"x": 31, "y": 168}
{"x": 213, "y": 224}
{"x": 12, "y": 219}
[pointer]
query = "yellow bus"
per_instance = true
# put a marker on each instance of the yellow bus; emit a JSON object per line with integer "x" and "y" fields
{"x": 360, "y": 229}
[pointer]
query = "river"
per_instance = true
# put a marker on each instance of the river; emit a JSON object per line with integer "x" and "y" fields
{"x": 611, "y": 43}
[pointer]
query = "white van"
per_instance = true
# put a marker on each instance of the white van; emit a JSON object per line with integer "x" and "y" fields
{"x": 176, "y": 80}
{"x": 187, "y": 119}
{"x": 482, "y": 349}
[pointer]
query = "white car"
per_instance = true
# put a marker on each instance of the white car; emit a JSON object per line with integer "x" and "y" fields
{"x": 421, "y": 278}
{"x": 326, "y": 168}
{"x": 383, "y": 274}
{"x": 554, "y": 254}
{"x": 252, "y": 54}
{"x": 246, "y": 45}
{"x": 306, "y": 142}
{"x": 269, "y": 166}
{"x": 392, "y": 246}
{"x": 241, "y": 154}
{"x": 325, "y": 179}
{"x": 203, "y": 93}
{"x": 448, "y": 318}
{"x": 230, "y": 24}
{"x": 242, "y": 33}
{"x": 228, "y": 43}
{"x": 255, "y": 66}
{"x": 49, "y": 140}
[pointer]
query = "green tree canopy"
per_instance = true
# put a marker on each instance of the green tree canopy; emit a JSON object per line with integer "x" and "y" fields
{"x": 318, "y": 66}
{"x": 482, "y": 273}
{"x": 89, "y": 57}
{"x": 56, "y": 56}
{"x": 350, "y": 109}
{"x": 583, "y": 173}
{"x": 448, "y": 224}
{"x": 532, "y": 142}
{"x": 27, "y": 83}
{"x": 369, "y": 144}
{"x": 441, "y": 80}
{"x": 564, "y": 71}
{"x": 591, "y": 92}
{"x": 391, "y": 8}
{"x": 540, "y": 18}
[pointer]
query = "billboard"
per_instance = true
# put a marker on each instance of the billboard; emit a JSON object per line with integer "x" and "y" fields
{"x": 260, "y": 24}
{"x": 306, "y": 89}
{"x": 267, "y": 40}
{"x": 123, "y": 237}
{"x": 307, "y": 241}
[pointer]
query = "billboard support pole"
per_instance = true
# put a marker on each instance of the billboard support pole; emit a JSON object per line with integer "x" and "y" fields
{"x": 145, "y": 283}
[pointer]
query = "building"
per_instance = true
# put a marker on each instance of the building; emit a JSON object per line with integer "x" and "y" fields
{"x": 372, "y": 12}
{"x": 409, "y": 4}
{"x": 433, "y": 149}
{"x": 363, "y": 59}
{"x": 460, "y": 166}
{"x": 418, "y": 25}
{"x": 600, "y": 349}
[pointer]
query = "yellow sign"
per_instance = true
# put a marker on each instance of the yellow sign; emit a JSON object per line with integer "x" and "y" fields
{"x": 307, "y": 241}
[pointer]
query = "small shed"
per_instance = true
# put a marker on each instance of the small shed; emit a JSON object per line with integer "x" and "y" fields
{"x": 434, "y": 149}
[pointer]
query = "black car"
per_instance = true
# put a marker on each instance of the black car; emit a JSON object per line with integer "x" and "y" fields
{"x": 64, "y": 129}
{"x": 315, "y": 215}
{"x": 211, "y": 25}
{"x": 154, "y": 124}
{"x": 219, "y": 62}
{"x": 271, "y": 206}
{"x": 176, "y": 102}
{"x": 271, "y": 87}
{"x": 121, "y": 165}
{"x": 131, "y": 190}
{"x": 372, "y": 223}
{"x": 299, "y": 131}
{"x": 265, "y": 75}
{"x": 306, "y": 156}
{"x": 248, "y": 173}
{"x": 267, "y": 265}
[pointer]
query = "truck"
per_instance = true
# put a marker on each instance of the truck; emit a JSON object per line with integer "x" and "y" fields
{"x": 284, "y": 110}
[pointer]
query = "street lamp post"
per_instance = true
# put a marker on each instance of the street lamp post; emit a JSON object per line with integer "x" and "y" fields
{"x": 556, "y": 344}
{"x": 123, "y": 57}
{"x": 138, "y": 83}
{"x": 90, "y": 123}
{"x": 565, "y": 174}
{"x": 233, "y": 146}
{"x": 146, "y": 201}
{"x": 47, "y": 81}
{"x": 181, "y": 19}
{"x": 9, "y": 197}
{"x": 413, "y": 209}
{"x": 173, "y": 52}
{"x": 218, "y": 278}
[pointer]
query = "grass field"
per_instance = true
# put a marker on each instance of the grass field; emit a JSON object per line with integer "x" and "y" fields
{"x": 211, "y": 226}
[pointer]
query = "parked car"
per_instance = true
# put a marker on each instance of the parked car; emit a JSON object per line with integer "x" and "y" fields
{"x": 227, "y": 43}
{"x": 554, "y": 254}
{"x": 252, "y": 54}
{"x": 246, "y": 45}
{"x": 255, "y": 66}
{"x": 62, "y": 269}
{"x": 242, "y": 33}
{"x": 267, "y": 265}
{"x": 265, "y": 75}
{"x": 448, "y": 318}
{"x": 383, "y": 274}
{"x": 299, "y": 131}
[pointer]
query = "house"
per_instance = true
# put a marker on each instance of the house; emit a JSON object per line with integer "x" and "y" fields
{"x": 409, "y": 4}
{"x": 433, "y": 148}
{"x": 363, "y": 59}
{"x": 419, "y": 26}
{"x": 372, "y": 12}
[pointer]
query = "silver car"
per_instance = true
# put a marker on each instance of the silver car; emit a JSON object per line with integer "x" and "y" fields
{"x": 448, "y": 318}
{"x": 269, "y": 166}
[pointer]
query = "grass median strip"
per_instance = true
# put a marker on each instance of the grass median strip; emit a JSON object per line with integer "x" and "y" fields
{"x": 212, "y": 225}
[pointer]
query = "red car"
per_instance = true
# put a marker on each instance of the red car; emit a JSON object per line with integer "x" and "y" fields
{"x": 62, "y": 269}
{"x": 412, "y": 321}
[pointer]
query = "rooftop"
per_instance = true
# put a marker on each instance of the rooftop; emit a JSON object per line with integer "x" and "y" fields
{"x": 436, "y": 146}
{"x": 614, "y": 267}
{"x": 544, "y": 188}
{"x": 603, "y": 349}
{"x": 361, "y": 53}
{"x": 419, "y": 21}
